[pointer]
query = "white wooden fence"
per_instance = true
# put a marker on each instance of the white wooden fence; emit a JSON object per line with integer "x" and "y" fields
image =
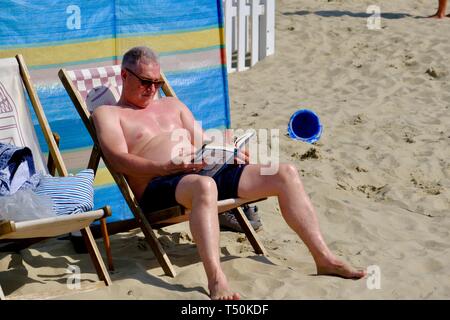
{"x": 249, "y": 32}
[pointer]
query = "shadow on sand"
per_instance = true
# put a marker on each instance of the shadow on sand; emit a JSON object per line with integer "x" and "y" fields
{"x": 340, "y": 13}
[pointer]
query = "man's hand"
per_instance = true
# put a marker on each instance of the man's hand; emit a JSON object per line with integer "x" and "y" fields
{"x": 228, "y": 135}
{"x": 242, "y": 157}
{"x": 181, "y": 165}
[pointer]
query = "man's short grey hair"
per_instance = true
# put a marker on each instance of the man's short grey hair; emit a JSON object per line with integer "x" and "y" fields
{"x": 139, "y": 54}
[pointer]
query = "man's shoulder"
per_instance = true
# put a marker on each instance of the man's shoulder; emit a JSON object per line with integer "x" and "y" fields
{"x": 105, "y": 109}
{"x": 170, "y": 100}
{"x": 173, "y": 102}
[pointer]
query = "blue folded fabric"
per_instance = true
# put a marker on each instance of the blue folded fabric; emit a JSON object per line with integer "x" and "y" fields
{"x": 72, "y": 194}
{"x": 16, "y": 169}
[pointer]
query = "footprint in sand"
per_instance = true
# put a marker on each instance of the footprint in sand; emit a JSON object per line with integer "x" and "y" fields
{"x": 407, "y": 137}
{"x": 441, "y": 232}
{"x": 360, "y": 169}
{"x": 436, "y": 246}
{"x": 312, "y": 153}
{"x": 433, "y": 73}
{"x": 358, "y": 119}
{"x": 371, "y": 191}
{"x": 432, "y": 188}
{"x": 430, "y": 265}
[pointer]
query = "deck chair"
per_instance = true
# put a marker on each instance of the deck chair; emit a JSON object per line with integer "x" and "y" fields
{"x": 78, "y": 83}
{"x": 16, "y": 128}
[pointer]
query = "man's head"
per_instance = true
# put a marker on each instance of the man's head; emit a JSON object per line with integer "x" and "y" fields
{"x": 140, "y": 75}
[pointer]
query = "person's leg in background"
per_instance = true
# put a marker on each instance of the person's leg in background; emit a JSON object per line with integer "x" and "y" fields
{"x": 442, "y": 9}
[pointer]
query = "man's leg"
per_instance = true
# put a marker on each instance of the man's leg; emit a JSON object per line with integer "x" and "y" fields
{"x": 441, "y": 10}
{"x": 297, "y": 210}
{"x": 199, "y": 193}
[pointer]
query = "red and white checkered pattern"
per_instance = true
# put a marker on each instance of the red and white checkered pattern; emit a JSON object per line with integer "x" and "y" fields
{"x": 87, "y": 79}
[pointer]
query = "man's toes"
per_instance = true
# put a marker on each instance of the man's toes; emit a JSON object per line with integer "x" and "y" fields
{"x": 354, "y": 274}
{"x": 362, "y": 273}
{"x": 234, "y": 296}
{"x": 225, "y": 296}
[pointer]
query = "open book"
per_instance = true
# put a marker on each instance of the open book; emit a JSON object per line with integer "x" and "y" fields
{"x": 218, "y": 156}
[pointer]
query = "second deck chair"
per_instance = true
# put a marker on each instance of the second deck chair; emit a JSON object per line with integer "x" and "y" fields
{"x": 17, "y": 128}
{"x": 78, "y": 83}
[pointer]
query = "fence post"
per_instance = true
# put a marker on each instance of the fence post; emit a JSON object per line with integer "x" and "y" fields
{"x": 267, "y": 31}
{"x": 228, "y": 12}
{"x": 270, "y": 27}
{"x": 242, "y": 34}
{"x": 255, "y": 31}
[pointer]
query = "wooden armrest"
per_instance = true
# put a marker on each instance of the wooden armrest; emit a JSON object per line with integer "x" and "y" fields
{"x": 51, "y": 163}
{"x": 106, "y": 212}
{"x": 6, "y": 227}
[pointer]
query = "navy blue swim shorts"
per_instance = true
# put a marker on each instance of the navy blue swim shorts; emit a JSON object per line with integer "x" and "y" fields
{"x": 160, "y": 192}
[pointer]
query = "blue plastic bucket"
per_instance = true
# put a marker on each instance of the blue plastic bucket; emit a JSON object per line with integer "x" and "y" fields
{"x": 305, "y": 125}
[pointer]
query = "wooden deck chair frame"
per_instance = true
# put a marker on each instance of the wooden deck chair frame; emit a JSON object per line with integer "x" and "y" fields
{"x": 161, "y": 218}
{"x": 50, "y": 227}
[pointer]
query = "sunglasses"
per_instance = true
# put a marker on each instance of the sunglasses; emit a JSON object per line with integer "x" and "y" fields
{"x": 147, "y": 82}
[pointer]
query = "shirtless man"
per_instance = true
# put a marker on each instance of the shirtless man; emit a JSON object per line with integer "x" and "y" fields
{"x": 135, "y": 136}
{"x": 442, "y": 9}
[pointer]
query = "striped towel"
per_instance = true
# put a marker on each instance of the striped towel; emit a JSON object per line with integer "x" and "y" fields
{"x": 72, "y": 194}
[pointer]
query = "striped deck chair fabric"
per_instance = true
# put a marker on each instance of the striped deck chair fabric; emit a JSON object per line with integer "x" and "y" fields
{"x": 87, "y": 79}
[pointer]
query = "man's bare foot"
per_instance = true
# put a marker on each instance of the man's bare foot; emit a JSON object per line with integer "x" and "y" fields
{"x": 340, "y": 269}
{"x": 219, "y": 290}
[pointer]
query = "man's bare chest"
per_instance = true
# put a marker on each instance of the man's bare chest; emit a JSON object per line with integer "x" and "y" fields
{"x": 145, "y": 124}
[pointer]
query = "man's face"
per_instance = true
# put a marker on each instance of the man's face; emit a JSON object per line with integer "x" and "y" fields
{"x": 141, "y": 84}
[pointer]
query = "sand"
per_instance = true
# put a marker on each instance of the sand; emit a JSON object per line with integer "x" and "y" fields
{"x": 379, "y": 176}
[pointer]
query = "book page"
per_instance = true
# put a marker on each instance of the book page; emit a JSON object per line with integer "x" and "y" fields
{"x": 216, "y": 159}
{"x": 217, "y": 156}
{"x": 243, "y": 139}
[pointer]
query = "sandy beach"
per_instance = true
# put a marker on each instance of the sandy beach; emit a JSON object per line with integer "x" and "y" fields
{"x": 379, "y": 177}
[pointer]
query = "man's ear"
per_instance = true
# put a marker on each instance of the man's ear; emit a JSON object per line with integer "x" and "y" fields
{"x": 123, "y": 74}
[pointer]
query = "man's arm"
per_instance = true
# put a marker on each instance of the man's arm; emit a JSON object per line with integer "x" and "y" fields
{"x": 199, "y": 135}
{"x": 192, "y": 125}
{"x": 114, "y": 146}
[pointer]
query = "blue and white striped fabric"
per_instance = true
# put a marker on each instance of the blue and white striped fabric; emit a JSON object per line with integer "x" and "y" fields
{"x": 72, "y": 194}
